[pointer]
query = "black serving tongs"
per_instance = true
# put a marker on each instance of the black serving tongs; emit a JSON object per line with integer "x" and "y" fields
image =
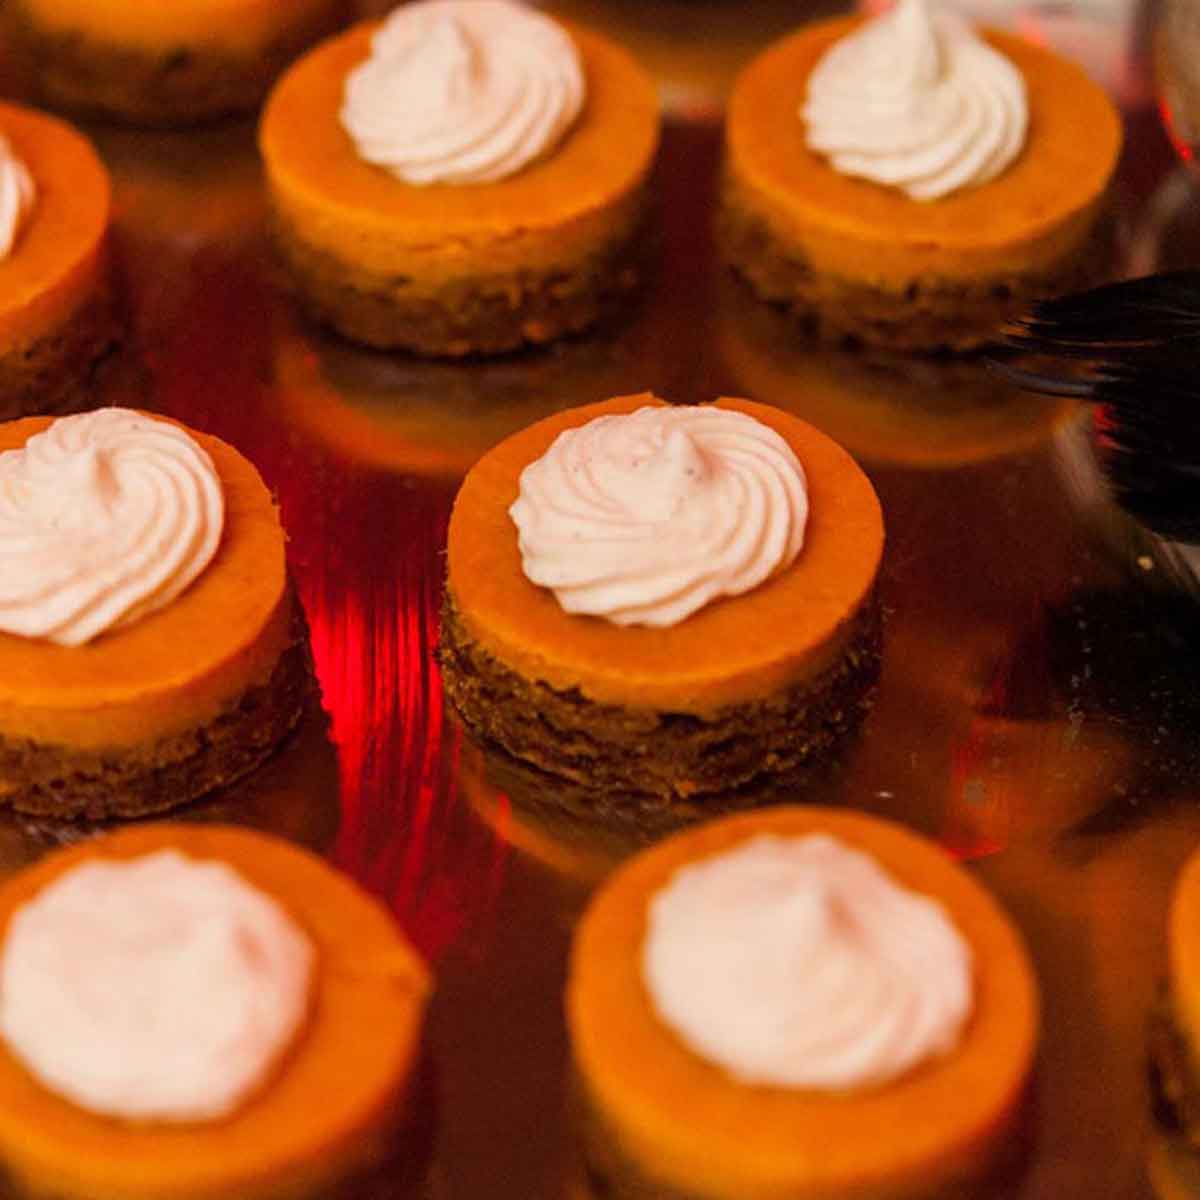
{"x": 1132, "y": 349}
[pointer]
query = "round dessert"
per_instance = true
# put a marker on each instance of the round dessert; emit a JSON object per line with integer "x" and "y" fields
{"x": 859, "y": 194}
{"x": 704, "y": 614}
{"x": 1174, "y": 1027}
{"x": 295, "y": 1006}
{"x": 162, "y": 64}
{"x": 797, "y": 1003}
{"x": 465, "y": 177}
{"x": 58, "y": 324}
{"x": 151, "y": 645}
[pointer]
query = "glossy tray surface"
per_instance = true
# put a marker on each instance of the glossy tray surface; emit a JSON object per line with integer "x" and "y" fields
{"x": 1038, "y": 710}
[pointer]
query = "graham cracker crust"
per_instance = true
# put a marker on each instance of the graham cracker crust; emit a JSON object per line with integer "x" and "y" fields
{"x": 615, "y": 758}
{"x": 480, "y": 314}
{"x": 931, "y": 314}
{"x": 64, "y": 783}
{"x": 178, "y": 87}
{"x": 60, "y": 371}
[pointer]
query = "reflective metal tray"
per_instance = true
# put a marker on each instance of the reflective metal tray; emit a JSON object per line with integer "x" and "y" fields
{"x": 1038, "y": 711}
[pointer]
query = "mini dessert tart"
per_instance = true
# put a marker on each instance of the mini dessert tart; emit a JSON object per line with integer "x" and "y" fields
{"x": 1174, "y": 1067}
{"x": 689, "y": 605}
{"x": 151, "y": 645}
{"x": 794, "y": 1004}
{"x": 162, "y": 64}
{"x": 466, "y": 177}
{"x": 58, "y": 322}
{"x": 905, "y": 183}
{"x": 295, "y": 1010}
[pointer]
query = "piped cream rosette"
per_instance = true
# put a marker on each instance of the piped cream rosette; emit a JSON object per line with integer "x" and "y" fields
{"x": 917, "y": 102}
{"x": 160, "y": 988}
{"x": 799, "y": 962}
{"x": 647, "y": 517}
{"x": 18, "y": 195}
{"x": 463, "y": 91}
{"x": 104, "y": 518}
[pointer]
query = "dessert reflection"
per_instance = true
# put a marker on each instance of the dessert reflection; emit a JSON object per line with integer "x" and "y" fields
{"x": 581, "y": 833}
{"x": 435, "y": 418}
{"x": 913, "y": 411}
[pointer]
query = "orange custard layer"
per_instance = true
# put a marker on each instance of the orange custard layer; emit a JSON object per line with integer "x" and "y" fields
{"x": 560, "y": 210}
{"x": 177, "y": 668}
{"x": 58, "y": 257}
{"x": 690, "y": 1126}
{"x": 735, "y": 650}
{"x": 337, "y": 1090}
{"x": 237, "y": 26}
{"x": 1031, "y": 217}
{"x": 1183, "y": 948}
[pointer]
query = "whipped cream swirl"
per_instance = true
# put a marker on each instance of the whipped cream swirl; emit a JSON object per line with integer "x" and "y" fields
{"x": 104, "y": 517}
{"x": 17, "y": 196}
{"x": 645, "y": 518}
{"x": 798, "y": 962}
{"x": 158, "y": 988}
{"x": 917, "y": 102}
{"x": 463, "y": 91}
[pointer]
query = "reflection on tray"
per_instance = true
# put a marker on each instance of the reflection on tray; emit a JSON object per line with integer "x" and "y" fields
{"x": 434, "y": 417}
{"x": 582, "y": 833}
{"x": 908, "y": 411}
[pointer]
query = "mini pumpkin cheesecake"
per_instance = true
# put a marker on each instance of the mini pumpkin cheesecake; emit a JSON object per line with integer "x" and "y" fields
{"x": 761, "y": 681}
{"x": 718, "y": 1061}
{"x": 420, "y": 230}
{"x": 162, "y": 704}
{"x": 1174, "y": 1159}
{"x": 58, "y": 322}
{"x": 318, "y": 962}
{"x": 162, "y": 64}
{"x": 836, "y": 209}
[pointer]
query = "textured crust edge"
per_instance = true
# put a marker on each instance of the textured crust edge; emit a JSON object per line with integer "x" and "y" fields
{"x": 613, "y": 751}
{"x": 471, "y": 315}
{"x": 181, "y": 86}
{"x": 929, "y": 314}
{"x": 61, "y": 371}
{"x": 61, "y": 783}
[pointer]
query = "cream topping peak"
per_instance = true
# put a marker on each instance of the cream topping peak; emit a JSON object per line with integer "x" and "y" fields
{"x": 104, "y": 517}
{"x": 799, "y": 962}
{"x": 916, "y": 101}
{"x": 646, "y": 517}
{"x": 463, "y": 91}
{"x": 18, "y": 195}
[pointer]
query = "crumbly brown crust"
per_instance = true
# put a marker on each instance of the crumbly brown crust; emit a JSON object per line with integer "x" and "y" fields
{"x": 60, "y": 372}
{"x": 476, "y": 314}
{"x": 626, "y": 754}
{"x": 61, "y": 782}
{"x": 930, "y": 314}
{"x": 187, "y": 85}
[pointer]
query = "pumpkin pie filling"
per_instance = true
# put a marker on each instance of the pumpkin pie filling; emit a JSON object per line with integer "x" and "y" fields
{"x": 150, "y": 715}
